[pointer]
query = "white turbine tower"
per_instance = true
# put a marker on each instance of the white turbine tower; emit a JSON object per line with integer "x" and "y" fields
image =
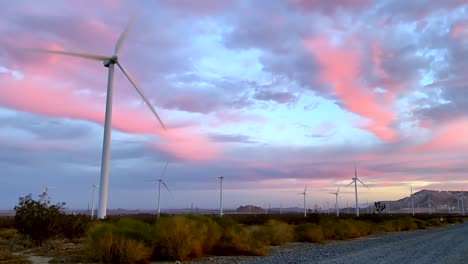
{"x": 355, "y": 180}
{"x": 160, "y": 181}
{"x": 109, "y": 62}
{"x": 336, "y": 201}
{"x": 221, "y": 196}
{"x": 304, "y": 194}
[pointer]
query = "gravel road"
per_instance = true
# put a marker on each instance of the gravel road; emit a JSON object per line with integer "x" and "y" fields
{"x": 446, "y": 245}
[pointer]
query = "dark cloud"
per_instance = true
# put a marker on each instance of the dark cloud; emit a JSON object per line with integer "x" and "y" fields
{"x": 232, "y": 138}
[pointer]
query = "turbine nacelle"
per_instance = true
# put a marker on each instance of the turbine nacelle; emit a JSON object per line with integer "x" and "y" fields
{"x": 111, "y": 60}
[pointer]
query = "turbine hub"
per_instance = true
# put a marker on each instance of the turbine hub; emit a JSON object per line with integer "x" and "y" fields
{"x": 112, "y": 60}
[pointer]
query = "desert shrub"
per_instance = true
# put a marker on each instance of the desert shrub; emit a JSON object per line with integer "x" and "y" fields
{"x": 208, "y": 230}
{"x": 6, "y": 256}
{"x": 39, "y": 220}
{"x": 180, "y": 238}
{"x": 135, "y": 229}
{"x": 8, "y": 233}
{"x": 309, "y": 233}
{"x": 73, "y": 226}
{"x": 107, "y": 243}
{"x": 434, "y": 222}
{"x": 420, "y": 224}
{"x": 235, "y": 240}
{"x": 274, "y": 233}
{"x": 405, "y": 223}
{"x": 7, "y": 222}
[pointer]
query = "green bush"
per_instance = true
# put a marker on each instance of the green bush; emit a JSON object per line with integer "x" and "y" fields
{"x": 309, "y": 233}
{"x": 274, "y": 233}
{"x": 236, "y": 240}
{"x": 7, "y": 222}
{"x": 111, "y": 243}
{"x": 73, "y": 226}
{"x": 176, "y": 238}
{"x": 39, "y": 220}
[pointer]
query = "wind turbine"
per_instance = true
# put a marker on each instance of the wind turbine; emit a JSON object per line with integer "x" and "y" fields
{"x": 355, "y": 180}
{"x": 304, "y": 193}
{"x": 92, "y": 200}
{"x": 221, "y": 196}
{"x": 46, "y": 189}
{"x": 109, "y": 62}
{"x": 336, "y": 201}
{"x": 160, "y": 181}
{"x": 462, "y": 197}
{"x": 430, "y": 203}
{"x": 412, "y": 203}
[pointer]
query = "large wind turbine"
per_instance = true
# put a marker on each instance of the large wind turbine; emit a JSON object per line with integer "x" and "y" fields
{"x": 355, "y": 180}
{"x": 160, "y": 181}
{"x": 109, "y": 62}
{"x": 336, "y": 201}
{"x": 304, "y": 193}
{"x": 221, "y": 195}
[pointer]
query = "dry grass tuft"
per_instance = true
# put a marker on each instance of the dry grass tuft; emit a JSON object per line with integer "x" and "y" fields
{"x": 6, "y": 256}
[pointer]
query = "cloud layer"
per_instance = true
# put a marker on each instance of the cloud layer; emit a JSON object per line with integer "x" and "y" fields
{"x": 272, "y": 94}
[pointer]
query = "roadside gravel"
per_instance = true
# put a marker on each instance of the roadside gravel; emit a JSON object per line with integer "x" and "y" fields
{"x": 448, "y": 245}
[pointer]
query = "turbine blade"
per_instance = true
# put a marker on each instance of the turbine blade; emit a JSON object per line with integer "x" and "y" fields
{"x": 338, "y": 189}
{"x": 165, "y": 186}
{"x": 164, "y": 171}
{"x": 141, "y": 94}
{"x": 123, "y": 35}
{"x": 73, "y": 54}
{"x": 305, "y": 189}
{"x": 349, "y": 184}
{"x": 363, "y": 184}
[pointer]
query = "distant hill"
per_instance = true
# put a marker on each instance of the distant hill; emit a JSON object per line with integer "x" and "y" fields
{"x": 437, "y": 201}
{"x": 250, "y": 209}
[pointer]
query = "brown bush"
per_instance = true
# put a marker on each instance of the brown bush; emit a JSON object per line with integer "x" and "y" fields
{"x": 8, "y": 233}
{"x": 6, "y": 256}
{"x": 309, "y": 233}
{"x": 274, "y": 233}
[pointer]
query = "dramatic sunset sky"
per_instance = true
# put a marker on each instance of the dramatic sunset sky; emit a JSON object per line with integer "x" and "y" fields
{"x": 271, "y": 94}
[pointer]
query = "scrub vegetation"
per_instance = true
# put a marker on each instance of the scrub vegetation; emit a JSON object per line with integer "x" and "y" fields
{"x": 46, "y": 228}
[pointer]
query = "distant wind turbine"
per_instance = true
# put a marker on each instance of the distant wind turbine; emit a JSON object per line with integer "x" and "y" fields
{"x": 355, "y": 180}
{"x": 92, "y": 200}
{"x": 430, "y": 203}
{"x": 46, "y": 189}
{"x": 304, "y": 194}
{"x": 462, "y": 197}
{"x": 412, "y": 202}
{"x": 109, "y": 62}
{"x": 221, "y": 196}
{"x": 160, "y": 181}
{"x": 336, "y": 201}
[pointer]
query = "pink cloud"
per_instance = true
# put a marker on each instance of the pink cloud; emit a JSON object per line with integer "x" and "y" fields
{"x": 45, "y": 99}
{"x": 460, "y": 30}
{"x": 341, "y": 67}
{"x": 447, "y": 137}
